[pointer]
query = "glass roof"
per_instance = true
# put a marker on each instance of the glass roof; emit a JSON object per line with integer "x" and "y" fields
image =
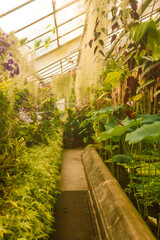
{"x": 57, "y": 20}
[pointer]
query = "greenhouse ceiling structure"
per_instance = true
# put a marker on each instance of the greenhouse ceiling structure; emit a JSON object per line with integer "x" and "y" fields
{"x": 53, "y": 28}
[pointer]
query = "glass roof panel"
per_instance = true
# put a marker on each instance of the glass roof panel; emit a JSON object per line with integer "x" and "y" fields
{"x": 44, "y": 50}
{"x": 38, "y": 29}
{"x": 50, "y": 69}
{"x": 26, "y": 15}
{"x": 10, "y": 5}
{"x": 77, "y": 22}
{"x": 71, "y": 36}
{"x": 26, "y": 21}
{"x": 61, "y": 3}
{"x": 70, "y": 12}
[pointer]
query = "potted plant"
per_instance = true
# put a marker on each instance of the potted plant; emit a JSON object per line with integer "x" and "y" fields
{"x": 69, "y": 129}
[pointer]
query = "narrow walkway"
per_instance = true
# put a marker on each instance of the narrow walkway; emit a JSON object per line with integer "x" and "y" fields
{"x": 74, "y": 218}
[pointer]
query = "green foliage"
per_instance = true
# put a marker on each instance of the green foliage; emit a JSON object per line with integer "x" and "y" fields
{"x": 29, "y": 192}
{"x": 149, "y": 31}
{"x": 77, "y": 125}
{"x": 37, "y": 44}
{"x": 149, "y": 132}
{"x": 22, "y": 41}
{"x": 53, "y": 30}
{"x": 47, "y": 42}
{"x": 112, "y": 79}
{"x": 121, "y": 158}
{"x": 114, "y": 133}
{"x": 138, "y": 31}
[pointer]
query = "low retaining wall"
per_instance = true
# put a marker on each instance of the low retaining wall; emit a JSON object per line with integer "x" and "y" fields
{"x": 118, "y": 218}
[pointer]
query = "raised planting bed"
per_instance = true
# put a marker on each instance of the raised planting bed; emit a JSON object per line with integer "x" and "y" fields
{"x": 117, "y": 217}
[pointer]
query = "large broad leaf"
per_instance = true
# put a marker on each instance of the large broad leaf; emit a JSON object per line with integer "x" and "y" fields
{"x": 121, "y": 158}
{"x": 114, "y": 133}
{"x": 131, "y": 122}
{"x": 146, "y": 132}
{"x": 141, "y": 119}
{"x": 109, "y": 125}
{"x": 153, "y": 43}
{"x": 140, "y": 29}
{"x": 107, "y": 110}
{"x": 112, "y": 78}
{"x": 148, "y": 119}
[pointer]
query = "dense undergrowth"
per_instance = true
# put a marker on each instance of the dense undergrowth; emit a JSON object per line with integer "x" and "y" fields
{"x": 29, "y": 189}
{"x": 30, "y": 147}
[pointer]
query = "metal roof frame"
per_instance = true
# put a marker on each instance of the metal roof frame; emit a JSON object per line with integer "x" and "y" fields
{"x": 60, "y": 62}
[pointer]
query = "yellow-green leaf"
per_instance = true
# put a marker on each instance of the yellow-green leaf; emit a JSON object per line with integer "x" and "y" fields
{"x": 53, "y": 30}
{"x": 37, "y": 44}
{"x": 47, "y": 42}
{"x": 22, "y": 41}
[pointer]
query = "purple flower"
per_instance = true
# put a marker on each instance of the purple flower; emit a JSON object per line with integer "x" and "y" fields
{"x": 11, "y": 61}
{"x": 10, "y": 54}
{"x": 37, "y": 107}
{"x": 7, "y": 35}
{"x": 16, "y": 71}
{"x": 2, "y": 39}
{"x": 8, "y": 66}
{"x": 12, "y": 67}
{"x": 12, "y": 41}
{"x": 7, "y": 45}
{"x": 2, "y": 49}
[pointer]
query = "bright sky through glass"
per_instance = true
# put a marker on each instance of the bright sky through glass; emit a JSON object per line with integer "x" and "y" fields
{"x": 37, "y": 9}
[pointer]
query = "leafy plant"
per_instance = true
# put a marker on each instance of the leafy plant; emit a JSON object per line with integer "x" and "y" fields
{"x": 29, "y": 193}
{"x": 146, "y": 132}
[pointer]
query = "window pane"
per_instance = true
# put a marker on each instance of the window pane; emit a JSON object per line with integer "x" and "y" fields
{"x": 37, "y": 29}
{"x": 71, "y": 25}
{"x": 26, "y": 15}
{"x": 61, "y": 3}
{"x": 8, "y": 5}
{"x": 71, "y": 36}
{"x": 50, "y": 69}
{"x": 70, "y": 12}
{"x": 44, "y": 50}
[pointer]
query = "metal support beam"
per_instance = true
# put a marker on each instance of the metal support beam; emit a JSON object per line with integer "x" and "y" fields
{"x": 56, "y": 66}
{"x": 54, "y": 56}
{"x": 55, "y": 22}
{"x": 40, "y": 19}
{"x": 63, "y": 35}
{"x": 33, "y": 39}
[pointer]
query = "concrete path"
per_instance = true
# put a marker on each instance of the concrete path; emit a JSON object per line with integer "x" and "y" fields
{"x": 72, "y": 174}
{"x": 74, "y": 218}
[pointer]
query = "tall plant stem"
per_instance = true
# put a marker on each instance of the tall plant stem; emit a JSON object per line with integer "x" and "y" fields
{"x": 112, "y": 156}
{"x": 132, "y": 182}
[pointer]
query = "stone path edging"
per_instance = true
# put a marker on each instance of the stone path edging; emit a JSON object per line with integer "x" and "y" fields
{"x": 118, "y": 218}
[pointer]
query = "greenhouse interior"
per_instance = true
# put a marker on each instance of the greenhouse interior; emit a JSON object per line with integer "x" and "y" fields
{"x": 79, "y": 119}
